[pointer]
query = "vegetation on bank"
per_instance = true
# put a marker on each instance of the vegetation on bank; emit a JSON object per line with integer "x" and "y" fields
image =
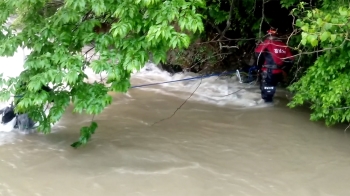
{"x": 325, "y": 84}
{"x": 199, "y": 35}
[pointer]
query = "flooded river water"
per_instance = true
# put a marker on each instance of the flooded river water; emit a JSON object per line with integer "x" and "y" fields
{"x": 215, "y": 145}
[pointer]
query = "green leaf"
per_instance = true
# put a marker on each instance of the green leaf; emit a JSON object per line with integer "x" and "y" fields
{"x": 333, "y": 37}
{"x": 72, "y": 77}
{"x": 305, "y": 27}
{"x": 335, "y": 20}
{"x": 304, "y": 35}
{"x": 314, "y": 42}
{"x": 120, "y": 86}
{"x": 312, "y": 39}
{"x": 319, "y": 22}
{"x": 309, "y": 14}
{"x": 325, "y": 35}
{"x": 342, "y": 11}
{"x": 327, "y": 26}
{"x": 299, "y": 23}
{"x": 328, "y": 17}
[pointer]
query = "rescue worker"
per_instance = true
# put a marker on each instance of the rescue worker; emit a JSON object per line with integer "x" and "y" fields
{"x": 272, "y": 58}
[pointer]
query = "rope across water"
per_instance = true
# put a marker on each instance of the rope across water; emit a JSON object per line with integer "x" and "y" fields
{"x": 171, "y": 81}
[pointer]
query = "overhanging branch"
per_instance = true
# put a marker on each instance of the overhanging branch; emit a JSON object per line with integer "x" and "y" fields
{"x": 228, "y": 22}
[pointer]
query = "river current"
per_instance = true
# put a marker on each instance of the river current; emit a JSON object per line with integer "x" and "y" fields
{"x": 219, "y": 143}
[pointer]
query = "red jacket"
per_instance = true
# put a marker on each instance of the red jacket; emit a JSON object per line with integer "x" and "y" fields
{"x": 273, "y": 52}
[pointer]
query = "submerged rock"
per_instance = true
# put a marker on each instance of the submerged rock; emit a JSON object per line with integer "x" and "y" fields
{"x": 173, "y": 69}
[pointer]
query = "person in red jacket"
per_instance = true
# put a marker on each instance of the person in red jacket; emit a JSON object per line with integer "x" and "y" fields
{"x": 272, "y": 57}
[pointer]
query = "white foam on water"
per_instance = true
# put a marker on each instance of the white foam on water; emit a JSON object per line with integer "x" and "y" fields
{"x": 221, "y": 91}
{"x": 214, "y": 90}
{"x": 8, "y": 127}
{"x": 13, "y": 66}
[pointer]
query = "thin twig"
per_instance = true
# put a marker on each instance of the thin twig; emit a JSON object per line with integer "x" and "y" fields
{"x": 262, "y": 17}
{"x": 228, "y": 22}
{"x": 346, "y": 128}
{"x": 88, "y": 51}
{"x": 227, "y": 40}
{"x": 215, "y": 27}
{"x": 82, "y": 20}
{"x": 221, "y": 47}
{"x": 202, "y": 61}
{"x": 253, "y": 9}
{"x": 296, "y": 72}
{"x": 342, "y": 108}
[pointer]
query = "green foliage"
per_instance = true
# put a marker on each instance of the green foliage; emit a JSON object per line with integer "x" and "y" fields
{"x": 195, "y": 58}
{"x": 325, "y": 84}
{"x": 288, "y": 3}
{"x": 140, "y": 29}
{"x": 216, "y": 13}
{"x": 85, "y": 134}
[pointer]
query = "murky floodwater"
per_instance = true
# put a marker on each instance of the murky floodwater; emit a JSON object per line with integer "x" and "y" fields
{"x": 215, "y": 145}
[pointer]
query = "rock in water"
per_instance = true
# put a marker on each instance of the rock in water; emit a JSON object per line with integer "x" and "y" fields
{"x": 8, "y": 114}
{"x": 24, "y": 122}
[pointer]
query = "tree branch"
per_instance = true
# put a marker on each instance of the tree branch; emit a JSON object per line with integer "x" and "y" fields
{"x": 215, "y": 27}
{"x": 228, "y": 22}
{"x": 227, "y": 40}
{"x": 82, "y": 20}
{"x": 209, "y": 58}
{"x": 228, "y": 47}
{"x": 262, "y": 18}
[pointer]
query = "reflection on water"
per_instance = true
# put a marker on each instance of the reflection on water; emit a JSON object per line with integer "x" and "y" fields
{"x": 207, "y": 148}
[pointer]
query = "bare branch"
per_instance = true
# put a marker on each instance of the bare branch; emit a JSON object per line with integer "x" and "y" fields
{"x": 89, "y": 50}
{"x": 227, "y": 40}
{"x": 296, "y": 72}
{"x": 228, "y": 22}
{"x": 82, "y": 20}
{"x": 221, "y": 46}
{"x": 342, "y": 108}
{"x": 209, "y": 58}
{"x": 262, "y": 18}
{"x": 316, "y": 51}
{"x": 215, "y": 27}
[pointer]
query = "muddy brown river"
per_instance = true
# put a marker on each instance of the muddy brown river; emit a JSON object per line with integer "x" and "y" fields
{"x": 215, "y": 145}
